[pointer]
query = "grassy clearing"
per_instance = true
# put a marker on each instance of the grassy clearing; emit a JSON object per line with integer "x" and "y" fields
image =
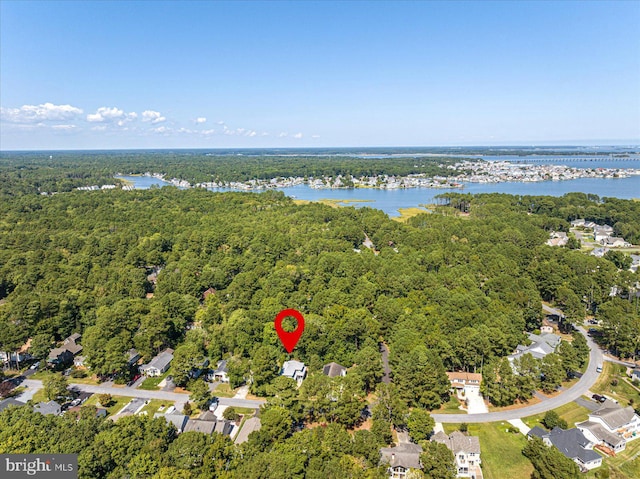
{"x": 117, "y": 403}
{"x": 223, "y": 390}
{"x": 406, "y": 213}
{"x": 501, "y": 451}
{"x": 39, "y": 396}
{"x": 88, "y": 380}
{"x": 151, "y": 384}
{"x": 623, "y": 392}
{"x": 570, "y": 412}
{"x": 625, "y": 465}
{"x": 451, "y": 407}
{"x": 155, "y": 405}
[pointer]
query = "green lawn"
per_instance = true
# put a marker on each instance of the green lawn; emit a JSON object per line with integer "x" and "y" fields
{"x": 155, "y": 405}
{"x": 88, "y": 380}
{"x": 39, "y": 396}
{"x": 623, "y": 392}
{"x": 118, "y": 402}
{"x": 570, "y": 412}
{"x": 451, "y": 407}
{"x": 151, "y": 384}
{"x": 625, "y": 465}
{"x": 501, "y": 451}
{"x": 223, "y": 390}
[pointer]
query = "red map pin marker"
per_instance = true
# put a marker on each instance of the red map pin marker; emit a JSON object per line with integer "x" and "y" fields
{"x": 289, "y": 339}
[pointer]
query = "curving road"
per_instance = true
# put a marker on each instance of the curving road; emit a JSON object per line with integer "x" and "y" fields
{"x": 580, "y": 388}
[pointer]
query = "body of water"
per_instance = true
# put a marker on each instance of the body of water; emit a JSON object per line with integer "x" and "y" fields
{"x": 390, "y": 201}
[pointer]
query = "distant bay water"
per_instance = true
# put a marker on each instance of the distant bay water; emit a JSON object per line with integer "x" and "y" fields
{"x": 390, "y": 201}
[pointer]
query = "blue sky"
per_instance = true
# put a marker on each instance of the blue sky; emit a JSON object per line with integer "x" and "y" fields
{"x": 76, "y": 75}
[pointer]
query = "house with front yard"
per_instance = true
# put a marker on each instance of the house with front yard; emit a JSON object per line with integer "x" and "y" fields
{"x": 572, "y": 443}
{"x": 466, "y": 452}
{"x": 158, "y": 365}
{"x": 220, "y": 373}
{"x": 67, "y": 352}
{"x": 635, "y": 374}
{"x": 611, "y": 426}
{"x": 250, "y": 425}
{"x": 600, "y": 232}
{"x": 178, "y": 420}
{"x": 465, "y": 383}
{"x": 294, "y": 370}
{"x": 401, "y": 459}
{"x": 557, "y": 238}
{"x": 209, "y": 427}
{"x": 547, "y": 327}
{"x": 614, "y": 242}
{"x": 333, "y": 370}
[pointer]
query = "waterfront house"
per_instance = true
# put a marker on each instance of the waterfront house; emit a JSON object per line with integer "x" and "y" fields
{"x": 159, "y": 364}
{"x": 401, "y": 459}
{"x": 466, "y": 452}
{"x": 611, "y": 426}
{"x": 572, "y": 443}
{"x": 294, "y": 370}
{"x": 334, "y": 369}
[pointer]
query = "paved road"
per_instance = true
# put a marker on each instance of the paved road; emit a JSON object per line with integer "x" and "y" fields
{"x": 141, "y": 393}
{"x": 581, "y": 387}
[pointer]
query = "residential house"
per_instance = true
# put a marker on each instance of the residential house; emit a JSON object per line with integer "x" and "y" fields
{"x": 250, "y": 425}
{"x": 547, "y": 327}
{"x": 465, "y": 382}
{"x": 601, "y": 232}
{"x": 635, "y": 262}
{"x": 635, "y": 374}
{"x": 178, "y": 420}
{"x": 558, "y": 238}
{"x": 466, "y": 452}
{"x": 5, "y": 403}
{"x": 201, "y": 368}
{"x": 133, "y": 356}
{"x": 401, "y": 459}
{"x": 18, "y": 356}
{"x": 51, "y": 407}
{"x": 572, "y": 443}
{"x": 540, "y": 346}
{"x": 334, "y": 369}
{"x": 209, "y": 427}
{"x": 599, "y": 252}
{"x": 578, "y": 222}
{"x": 78, "y": 361}
{"x": 159, "y": 364}
{"x": 611, "y": 426}
{"x": 294, "y": 370}
{"x": 65, "y": 353}
{"x": 614, "y": 242}
{"x": 220, "y": 373}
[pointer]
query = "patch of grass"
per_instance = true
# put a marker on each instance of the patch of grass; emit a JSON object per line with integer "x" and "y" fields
{"x": 625, "y": 465}
{"x": 151, "y": 384}
{"x": 451, "y": 407}
{"x": 39, "y": 396}
{"x": 501, "y": 451}
{"x": 154, "y": 406}
{"x": 88, "y": 380}
{"x": 223, "y": 390}
{"x": 623, "y": 392}
{"x": 247, "y": 411}
{"x": 406, "y": 213}
{"x": 570, "y": 412}
{"x": 117, "y": 403}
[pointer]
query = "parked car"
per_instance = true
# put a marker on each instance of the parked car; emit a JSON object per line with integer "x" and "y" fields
{"x": 213, "y": 405}
{"x": 35, "y": 365}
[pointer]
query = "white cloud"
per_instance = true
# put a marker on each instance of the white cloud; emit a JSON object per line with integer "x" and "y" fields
{"x": 297, "y": 136}
{"x": 250, "y": 133}
{"x": 153, "y": 116}
{"x": 99, "y": 128}
{"x": 115, "y": 115}
{"x": 315, "y": 137}
{"x": 283, "y": 134}
{"x": 200, "y": 120}
{"x": 162, "y": 129}
{"x": 39, "y": 113}
{"x": 221, "y": 122}
{"x": 63, "y": 127}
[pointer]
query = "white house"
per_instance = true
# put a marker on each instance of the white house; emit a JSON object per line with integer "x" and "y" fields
{"x": 159, "y": 364}
{"x": 221, "y": 373}
{"x": 614, "y": 242}
{"x": 572, "y": 443}
{"x": 294, "y": 370}
{"x": 466, "y": 451}
{"x": 467, "y": 382}
{"x": 541, "y": 346}
{"x": 611, "y": 426}
{"x": 401, "y": 459}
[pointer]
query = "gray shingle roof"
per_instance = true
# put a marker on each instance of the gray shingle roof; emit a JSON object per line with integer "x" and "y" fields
{"x": 458, "y": 442}
{"x": 614, "y": 415}
{"x": 5, "y": 403}
{"x": 50, "y": 407}
{"x": 161, "y": 361}
{"x": 600, "y": 432}
{"x": 406, "y": 455}
{"x": 333, "y": 369}
{"x": 572, "y": 444}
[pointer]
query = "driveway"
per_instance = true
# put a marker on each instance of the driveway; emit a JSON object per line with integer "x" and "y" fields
{"x": 587, "y": 380}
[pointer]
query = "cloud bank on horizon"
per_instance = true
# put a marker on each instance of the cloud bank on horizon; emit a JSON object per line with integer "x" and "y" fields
{"x": 159, "y": 74}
